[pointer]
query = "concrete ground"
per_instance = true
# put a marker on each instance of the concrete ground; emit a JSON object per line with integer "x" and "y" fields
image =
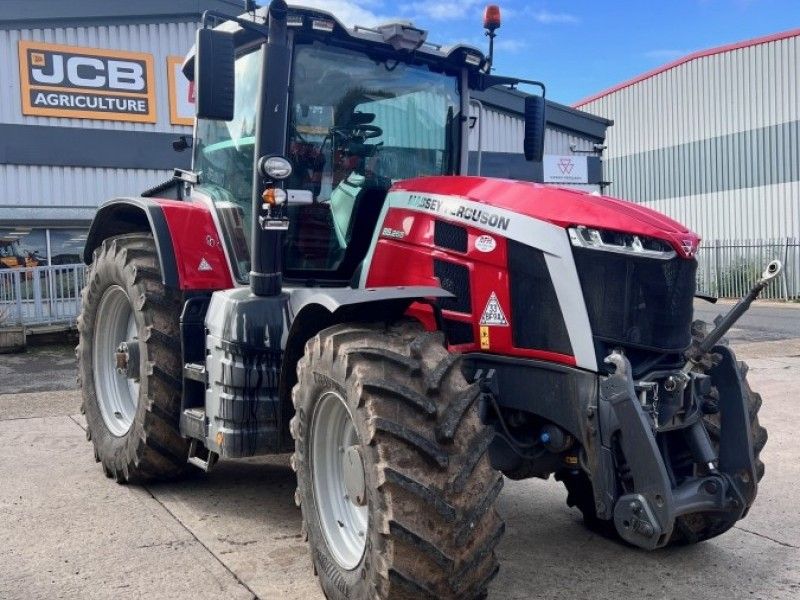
{"x": 68, "y": 532}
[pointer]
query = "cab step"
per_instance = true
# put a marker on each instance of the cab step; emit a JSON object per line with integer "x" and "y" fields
{"x": 194, "y": 424}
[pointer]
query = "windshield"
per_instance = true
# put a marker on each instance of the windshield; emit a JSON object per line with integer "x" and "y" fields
{"x": 357, "y": 124}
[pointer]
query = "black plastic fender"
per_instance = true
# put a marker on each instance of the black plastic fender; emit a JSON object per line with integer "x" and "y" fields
{"x": 133, "y": 215}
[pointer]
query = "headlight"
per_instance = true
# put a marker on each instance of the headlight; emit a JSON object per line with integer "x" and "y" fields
{"x": 276, "y": 168}
{"x": 622, "y": 243}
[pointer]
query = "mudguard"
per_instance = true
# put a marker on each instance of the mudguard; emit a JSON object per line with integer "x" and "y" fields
{"x": 334, "y": 299}
{"x": 190, "y": 252}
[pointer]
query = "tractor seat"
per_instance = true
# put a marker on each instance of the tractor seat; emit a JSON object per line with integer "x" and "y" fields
{"x": 331, "y": 248}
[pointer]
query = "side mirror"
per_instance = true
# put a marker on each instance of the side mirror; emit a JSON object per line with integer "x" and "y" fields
{"x": 534, "y": 128}
{"x": 214, "y": 74}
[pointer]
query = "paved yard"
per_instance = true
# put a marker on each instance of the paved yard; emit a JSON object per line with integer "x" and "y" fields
{"x": 68, "y": 532}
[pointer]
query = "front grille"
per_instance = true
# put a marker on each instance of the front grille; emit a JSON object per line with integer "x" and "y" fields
{"x": 455, "y": 279}
{"x": 449, "y": 236}
{"x": 638, "y": 301}
{"x": 536, "y": 318}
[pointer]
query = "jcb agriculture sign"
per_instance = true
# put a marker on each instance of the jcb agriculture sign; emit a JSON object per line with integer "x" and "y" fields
{"x": 86, "y": 83}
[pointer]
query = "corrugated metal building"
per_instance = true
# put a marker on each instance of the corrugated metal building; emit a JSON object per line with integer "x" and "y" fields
{"x": 712, "y": 140}
{"x": 574, "y": 137}
{"x": 61, "y": 156}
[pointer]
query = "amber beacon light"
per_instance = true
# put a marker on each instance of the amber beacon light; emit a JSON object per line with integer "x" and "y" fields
{"x": 491, "y": 17}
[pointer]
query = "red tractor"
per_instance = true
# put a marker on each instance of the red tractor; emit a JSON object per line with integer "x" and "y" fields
{"x": 325, "y": 281}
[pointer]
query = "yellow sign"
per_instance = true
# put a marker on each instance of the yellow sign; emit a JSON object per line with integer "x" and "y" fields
{"x": 86, "y": 83}
{"x": 181, "y": 102}
{"x": 484, "y": 337}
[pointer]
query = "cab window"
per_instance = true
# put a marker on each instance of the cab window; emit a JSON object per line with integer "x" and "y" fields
{"x": 223, "y": 158}
{"x": 356, "y": 125}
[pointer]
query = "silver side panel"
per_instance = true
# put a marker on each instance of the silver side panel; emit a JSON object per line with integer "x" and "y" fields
{"x": 335, "y": 298}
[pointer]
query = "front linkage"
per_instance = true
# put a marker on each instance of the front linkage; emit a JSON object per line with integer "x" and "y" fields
{"x": 623, "y": 430}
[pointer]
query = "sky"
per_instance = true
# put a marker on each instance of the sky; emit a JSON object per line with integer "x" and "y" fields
{"x": 581, "y": 47}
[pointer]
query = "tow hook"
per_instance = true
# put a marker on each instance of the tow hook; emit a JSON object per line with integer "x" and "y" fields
{"x": 127, "y": 359}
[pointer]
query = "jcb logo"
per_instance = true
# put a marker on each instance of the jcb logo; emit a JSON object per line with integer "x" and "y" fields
{"x": 86, "y": 83}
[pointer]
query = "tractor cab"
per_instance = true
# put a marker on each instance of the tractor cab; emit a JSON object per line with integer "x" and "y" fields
{"x": 349, "y": 111}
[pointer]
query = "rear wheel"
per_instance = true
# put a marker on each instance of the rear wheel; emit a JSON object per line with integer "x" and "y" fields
{"x": 129, "y": 362}
{"x": 394, "y": 482}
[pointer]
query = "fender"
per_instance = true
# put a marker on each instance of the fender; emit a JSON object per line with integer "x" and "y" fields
{"x": 336, "y": 299}
{"x": 190, "y": 251}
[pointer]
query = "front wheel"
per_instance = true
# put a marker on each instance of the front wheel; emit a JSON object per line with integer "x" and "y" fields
{"x": 129, "y": 362}
{"x": 394, "y": 482}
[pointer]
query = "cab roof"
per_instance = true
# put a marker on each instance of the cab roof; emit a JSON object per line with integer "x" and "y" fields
{"x": 399, "y": 37}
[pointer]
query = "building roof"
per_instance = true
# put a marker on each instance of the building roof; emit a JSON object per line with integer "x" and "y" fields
{"x": 690, "y": 57}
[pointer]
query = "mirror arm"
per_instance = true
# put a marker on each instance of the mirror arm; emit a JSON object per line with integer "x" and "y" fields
{"x": 209, "y": 15}
{"x": 487, "y": 81}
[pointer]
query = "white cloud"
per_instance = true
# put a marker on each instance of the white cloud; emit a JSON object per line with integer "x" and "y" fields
{"x": 363, "y": 12}
{"x": 510, "y": 45}
{"x": 547, "y": 17}
{"x": 443, "y": 10}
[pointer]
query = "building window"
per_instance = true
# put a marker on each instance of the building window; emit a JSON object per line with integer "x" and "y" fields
{"x": 23, "y": 247}
{"x": 31, "y": 247}
{"x": 66, "y": 246}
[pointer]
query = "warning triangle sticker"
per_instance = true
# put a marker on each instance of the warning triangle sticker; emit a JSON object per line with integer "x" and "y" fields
{"x": 204, "y": 266}
{"x": 493, "y": 313}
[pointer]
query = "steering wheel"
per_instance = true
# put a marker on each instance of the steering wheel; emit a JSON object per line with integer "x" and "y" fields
{"x": 358, "y": 131}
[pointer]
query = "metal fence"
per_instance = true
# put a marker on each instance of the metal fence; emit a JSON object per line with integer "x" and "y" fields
{"x": 728, "y": 269}
{"x": 41, "y": 295}
{"x": 52, "y": 295}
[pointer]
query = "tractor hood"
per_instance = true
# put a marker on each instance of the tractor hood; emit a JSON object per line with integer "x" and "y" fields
{"x": 560, "y": 206}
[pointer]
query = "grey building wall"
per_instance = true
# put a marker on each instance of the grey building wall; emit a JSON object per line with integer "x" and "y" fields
{"x": 56, "y": 171}
{"x": 569, "y": 132}
{"x": 713, "y": 140}
{"x": 48, "y": 193}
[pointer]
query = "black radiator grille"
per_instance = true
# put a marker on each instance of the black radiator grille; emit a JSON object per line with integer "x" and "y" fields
{"x": 458, "y": 332}
{"x": 449, "y": 236}
{"x": 536, "y": 318}
{"x": 455, "y": 279}
{"x": 638, "y": 301}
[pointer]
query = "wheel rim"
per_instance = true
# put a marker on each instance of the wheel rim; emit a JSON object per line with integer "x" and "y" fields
{"x": 334, "y": 445}
{"x": 117, "y": 395}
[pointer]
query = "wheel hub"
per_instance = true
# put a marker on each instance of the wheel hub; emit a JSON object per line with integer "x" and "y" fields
{"x": 115, "y": 360}
{"x": 353, "y": 467}
{"x": 127, "y": 358}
